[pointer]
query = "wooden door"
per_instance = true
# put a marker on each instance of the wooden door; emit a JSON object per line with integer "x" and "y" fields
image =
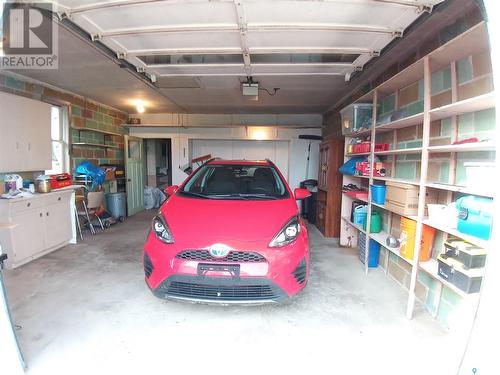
{"x": 324, "y": 155}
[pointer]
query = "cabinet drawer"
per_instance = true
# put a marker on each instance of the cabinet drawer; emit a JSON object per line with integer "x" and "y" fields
{"x": 54, "y": 198}
{"x": 17, "y": 208}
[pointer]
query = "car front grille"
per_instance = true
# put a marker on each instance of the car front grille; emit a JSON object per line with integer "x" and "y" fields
{"x": 300, "y": 273}
{"x": 221, "y": 292}
{"x": 148, "y": 265}
{"x": 233, "y": 256}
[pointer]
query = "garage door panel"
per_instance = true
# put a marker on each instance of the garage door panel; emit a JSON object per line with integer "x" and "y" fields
{"x": 276, "y": 151}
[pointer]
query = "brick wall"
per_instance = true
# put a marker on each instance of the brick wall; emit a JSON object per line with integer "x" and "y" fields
{"x": 83, "y": 114}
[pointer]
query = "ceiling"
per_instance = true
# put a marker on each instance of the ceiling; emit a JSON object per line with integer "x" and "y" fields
{"x": 195, "y": 54}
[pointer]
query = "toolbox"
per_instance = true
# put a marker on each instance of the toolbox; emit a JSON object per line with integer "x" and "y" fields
{"x": 469, "y": 255}
{"x": 467, "y": 280}
{"x": 58, "y": 181}
{"x": 475, "y": 215}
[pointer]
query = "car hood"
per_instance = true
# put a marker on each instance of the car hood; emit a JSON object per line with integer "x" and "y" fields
{"x": 224, "y": 220}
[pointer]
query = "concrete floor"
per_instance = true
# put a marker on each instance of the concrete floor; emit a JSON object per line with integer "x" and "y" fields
{"x": 85, "y": 309}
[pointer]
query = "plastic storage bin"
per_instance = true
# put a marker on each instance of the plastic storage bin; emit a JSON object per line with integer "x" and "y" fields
{"x": 378, "y": 194}
{"x": 116, "y": 204}
{"x": 446, "y": 215}
{"x": 373, "y": 252}
{"x": 408, "y": 230}
{"x": 356, "y": 117}
{"x": 475, "y": 215}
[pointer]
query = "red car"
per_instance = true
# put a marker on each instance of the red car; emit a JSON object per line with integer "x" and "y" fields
{"x": 231, "y": 233}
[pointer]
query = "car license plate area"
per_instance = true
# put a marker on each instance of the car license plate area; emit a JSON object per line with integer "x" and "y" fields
{"x": 231, "y": 269}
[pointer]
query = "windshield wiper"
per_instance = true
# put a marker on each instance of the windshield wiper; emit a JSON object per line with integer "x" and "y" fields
{"x": 259, "y": 196}
{"x": 192, "y": 194}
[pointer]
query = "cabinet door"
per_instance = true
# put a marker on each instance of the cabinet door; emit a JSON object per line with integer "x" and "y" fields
{"x": 11, "y": 130}
{"x": 37, "y": 138}
{"x": 28, "y": 236}
{"x": 57, "y": 223}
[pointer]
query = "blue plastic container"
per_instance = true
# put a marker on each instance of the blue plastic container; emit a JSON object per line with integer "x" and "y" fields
{"x": 475, "y": 216}
{"x": 378, "y": 194}
{"x": 373, "y": 252}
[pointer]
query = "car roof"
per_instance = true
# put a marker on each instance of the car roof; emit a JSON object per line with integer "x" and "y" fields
{"x": 239, "y": 162}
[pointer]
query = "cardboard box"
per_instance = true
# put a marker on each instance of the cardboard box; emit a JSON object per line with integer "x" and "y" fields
{"x": 403, "y": 198}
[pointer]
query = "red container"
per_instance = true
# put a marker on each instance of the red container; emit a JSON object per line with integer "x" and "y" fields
{"x": 359, "y": 148}
{"x": 363, "y": 147}
{"x": 58, "y": 181}
{"x": 363, "y": 169}
{"x": 381, "y": 147}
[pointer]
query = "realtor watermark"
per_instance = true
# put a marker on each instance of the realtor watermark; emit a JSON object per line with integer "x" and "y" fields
{"x": 29, "y": 38}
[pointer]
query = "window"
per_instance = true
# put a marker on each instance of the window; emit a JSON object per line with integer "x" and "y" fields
{"x": 59, "y": 135}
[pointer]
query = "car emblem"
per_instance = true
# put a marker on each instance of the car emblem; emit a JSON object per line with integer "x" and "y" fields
{"x": 219, "y": 250}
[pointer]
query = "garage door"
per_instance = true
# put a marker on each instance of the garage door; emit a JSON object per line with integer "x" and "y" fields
{"x": 276, "y": 151}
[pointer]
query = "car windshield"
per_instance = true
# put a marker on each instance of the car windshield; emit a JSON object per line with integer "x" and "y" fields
{"x": 228, "y": 181}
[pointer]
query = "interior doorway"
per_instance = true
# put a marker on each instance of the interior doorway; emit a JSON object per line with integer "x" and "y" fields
{"x": 159, "y": 162}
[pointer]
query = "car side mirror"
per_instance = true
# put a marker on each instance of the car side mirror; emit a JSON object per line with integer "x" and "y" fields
{"x": 170, "y": 190}
{"x": 301, "y": 193}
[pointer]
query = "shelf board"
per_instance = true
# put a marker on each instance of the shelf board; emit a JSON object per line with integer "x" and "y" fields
{"x": 97, "y": 131}
{"x": 357, "y": 176}
{"x": 401, "y": 123}
{"x": 465, "y": 147}
{"x": 413, "y": 217}
{"x": 358, "y": 227}
{"x": 380, "y": 237}
{"x": 391, "y": 179}
{"x": 93, "y": 145}
{"x": 355, "y": 198}
{"x": 431, "y": 268}
{"x": 477, "y": 103}
{"x": 460, "y": 189}
{"x": 358, "y": 154}
{"x": 415, "y": 150}
{"x": 453, "y": 231}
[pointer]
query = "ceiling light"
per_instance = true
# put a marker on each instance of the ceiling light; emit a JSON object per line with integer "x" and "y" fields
{"x": 139, "y": 106}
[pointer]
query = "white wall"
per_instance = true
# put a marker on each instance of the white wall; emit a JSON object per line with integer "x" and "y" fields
{"x": 181, "y": 138}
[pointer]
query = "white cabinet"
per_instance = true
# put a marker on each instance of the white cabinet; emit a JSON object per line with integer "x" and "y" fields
{"x": 25, "y": 128}
{"x": 32, "y": 227}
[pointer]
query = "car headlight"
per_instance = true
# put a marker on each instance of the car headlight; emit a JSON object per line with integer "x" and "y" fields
{"x": 161, "y": 229}
{"x": 288, "y": 233}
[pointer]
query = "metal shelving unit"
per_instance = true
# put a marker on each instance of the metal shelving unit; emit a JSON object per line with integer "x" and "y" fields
{"x": 470, "y": 42}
